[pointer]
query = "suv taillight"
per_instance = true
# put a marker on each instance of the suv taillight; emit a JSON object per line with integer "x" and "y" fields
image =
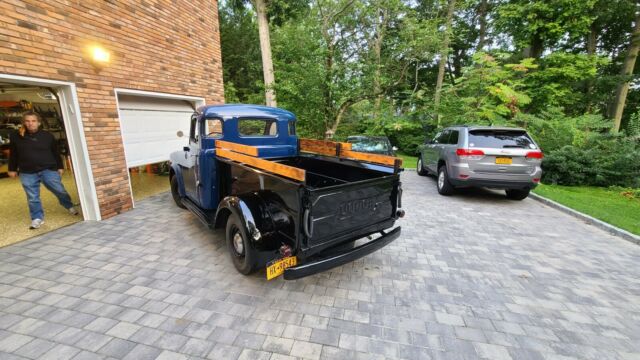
{"x": 469, "y": 153}
{"x": 534, "y": 155}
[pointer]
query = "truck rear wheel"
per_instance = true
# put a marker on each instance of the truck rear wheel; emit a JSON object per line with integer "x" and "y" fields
{"x": 242, "y": 254}
{"x": 176, "y": 193}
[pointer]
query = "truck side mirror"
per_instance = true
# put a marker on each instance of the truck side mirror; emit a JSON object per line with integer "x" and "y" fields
{"x": 395, "y": 148}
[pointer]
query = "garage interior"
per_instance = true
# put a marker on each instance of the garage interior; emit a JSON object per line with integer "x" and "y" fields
{"x": 14, "y": 212}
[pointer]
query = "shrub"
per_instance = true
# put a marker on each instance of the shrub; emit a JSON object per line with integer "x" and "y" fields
{"x": 604, "y": 160}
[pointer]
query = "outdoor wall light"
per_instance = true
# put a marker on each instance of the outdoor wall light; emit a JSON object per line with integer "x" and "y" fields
{"x": 99, "y": 56}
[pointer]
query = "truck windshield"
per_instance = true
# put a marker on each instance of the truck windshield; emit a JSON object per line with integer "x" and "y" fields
{"x": 257, "y": 127}
{"x": 500, "y": 139}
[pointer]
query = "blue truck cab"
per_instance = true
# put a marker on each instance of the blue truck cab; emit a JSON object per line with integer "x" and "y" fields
{"x": 292, "y": 210}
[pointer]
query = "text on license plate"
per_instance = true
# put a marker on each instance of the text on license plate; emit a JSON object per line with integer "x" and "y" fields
{"x": 504, "y": 160}
{"x": 276, "y": 268}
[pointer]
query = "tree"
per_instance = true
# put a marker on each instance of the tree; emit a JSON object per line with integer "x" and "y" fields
{"x": 626, "y": 71}
{"x": 265, "y": 51}
{"x": 443, "y": 56}
{"x": 539, "y": 25}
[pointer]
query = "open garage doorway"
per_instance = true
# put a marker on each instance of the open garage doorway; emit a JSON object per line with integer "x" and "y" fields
{"x": 149, "y": 123}
{"x": 57, "y": 105}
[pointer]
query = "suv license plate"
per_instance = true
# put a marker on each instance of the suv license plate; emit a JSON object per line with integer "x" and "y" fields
{"x": 276, "y": 267}
{"x": 504, "y": 160}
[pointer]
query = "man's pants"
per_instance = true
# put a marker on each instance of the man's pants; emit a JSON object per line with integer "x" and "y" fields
{"x": 52, "y": 181}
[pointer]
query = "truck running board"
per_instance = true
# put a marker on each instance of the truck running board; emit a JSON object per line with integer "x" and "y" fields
{"x": 198, "y": 212}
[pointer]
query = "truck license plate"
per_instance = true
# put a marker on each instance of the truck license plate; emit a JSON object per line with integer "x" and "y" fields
{"x": 504, "y": 160}
{"x": 276, "y": 267}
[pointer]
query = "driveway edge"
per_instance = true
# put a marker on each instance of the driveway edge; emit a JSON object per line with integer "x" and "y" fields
{"x": 613, "y": 230}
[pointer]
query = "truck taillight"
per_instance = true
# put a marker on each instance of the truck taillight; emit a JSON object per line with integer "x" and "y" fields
{"x": 534, "y": 155}
{"x": 469, "y": 153}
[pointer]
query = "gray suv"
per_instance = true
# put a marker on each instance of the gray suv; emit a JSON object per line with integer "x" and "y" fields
{"x": 494, "y": 157}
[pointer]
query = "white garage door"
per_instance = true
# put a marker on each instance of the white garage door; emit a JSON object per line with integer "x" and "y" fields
{"x": 149, "y": 127}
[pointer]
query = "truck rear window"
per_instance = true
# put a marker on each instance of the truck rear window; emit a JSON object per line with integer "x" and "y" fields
{"x": 257, "y": 127}
{"x": 500, "y": 139}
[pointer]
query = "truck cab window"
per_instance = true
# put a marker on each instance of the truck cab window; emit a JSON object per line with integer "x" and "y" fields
{"x": 292, "y": 128}
{"x": 257, "y": 127}
{"x": 213, "y": 127}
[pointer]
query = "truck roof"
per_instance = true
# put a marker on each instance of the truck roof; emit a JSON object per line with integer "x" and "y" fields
{"x": 243, "y": 110}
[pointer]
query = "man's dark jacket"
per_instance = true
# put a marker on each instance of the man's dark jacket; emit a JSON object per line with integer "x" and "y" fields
{"x": 34, "y": 152}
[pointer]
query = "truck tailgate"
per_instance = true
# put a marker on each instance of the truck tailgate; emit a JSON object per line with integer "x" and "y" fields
{"x": 338, "y": 210}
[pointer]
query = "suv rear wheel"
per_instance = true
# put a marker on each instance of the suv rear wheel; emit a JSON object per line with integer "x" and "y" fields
{"x": 444, "y": 186}
{"x": 420, "y": 168}
{"x": 517, "y": 194}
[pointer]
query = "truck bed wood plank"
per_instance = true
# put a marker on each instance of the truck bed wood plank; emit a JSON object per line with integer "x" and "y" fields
{"x": 239, "y": 148}
{"x": 270, "y": 166}
{"x": 374, "y": 158}
{"x": 329, "y": 148}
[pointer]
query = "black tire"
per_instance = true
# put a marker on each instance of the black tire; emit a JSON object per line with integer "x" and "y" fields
{"x": 175, "y": 193}
{"x": 245, "y": 259}
{"x": 516, "y": 194}
{"x": 420, "y": 168}
{"x": 444, "y": 186}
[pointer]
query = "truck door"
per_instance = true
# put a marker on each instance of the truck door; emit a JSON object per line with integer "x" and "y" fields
{"x": 190, "y": 173}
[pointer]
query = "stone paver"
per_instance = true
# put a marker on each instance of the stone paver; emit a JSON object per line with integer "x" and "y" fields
{"x": 473, "y": 276}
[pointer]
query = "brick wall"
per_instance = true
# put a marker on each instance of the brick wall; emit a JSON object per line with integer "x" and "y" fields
{"x": 170, "y": 46}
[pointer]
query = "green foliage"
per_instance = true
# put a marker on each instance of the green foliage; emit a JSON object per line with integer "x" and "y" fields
{"x": 488, "y": 93}
{"x": 552, "y": 129}
{"x": 633, "y": 127}
{"x": 561, "y": 80}
{"x": 242, "y": 69}
{"x": 601, "y": 161}
{"x": 546, "y": 23}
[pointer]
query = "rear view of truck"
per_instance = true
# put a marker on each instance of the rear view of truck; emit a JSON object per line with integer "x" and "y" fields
{"x": 292, "y": 206}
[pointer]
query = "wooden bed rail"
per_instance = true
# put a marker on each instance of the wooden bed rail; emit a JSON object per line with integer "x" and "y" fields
{"x": 344, "y": 150}
{"x": 247, "y": 154}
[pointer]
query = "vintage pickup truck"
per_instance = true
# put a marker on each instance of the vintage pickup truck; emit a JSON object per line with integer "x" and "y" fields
{"x": 293, "y": 205}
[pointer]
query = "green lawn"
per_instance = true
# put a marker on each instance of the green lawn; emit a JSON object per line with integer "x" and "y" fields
{"x": 408, "y": 161}
{"x": 601, "y": 203}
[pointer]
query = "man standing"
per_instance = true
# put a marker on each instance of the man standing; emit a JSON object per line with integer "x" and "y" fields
{"x": 34, "y": 154}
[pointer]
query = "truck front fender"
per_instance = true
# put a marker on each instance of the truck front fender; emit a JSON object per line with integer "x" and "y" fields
{"x": 176, "y": 171}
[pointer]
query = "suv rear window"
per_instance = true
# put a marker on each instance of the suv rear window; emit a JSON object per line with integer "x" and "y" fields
{"x": 500, "y": 139}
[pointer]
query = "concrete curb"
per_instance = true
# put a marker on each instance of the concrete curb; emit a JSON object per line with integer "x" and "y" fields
{"x": 613, "y": 230}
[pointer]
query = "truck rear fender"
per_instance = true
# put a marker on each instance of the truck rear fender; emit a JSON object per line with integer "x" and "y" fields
{"x": 261, "y": 219}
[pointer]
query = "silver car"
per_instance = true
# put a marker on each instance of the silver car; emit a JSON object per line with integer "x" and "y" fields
{"x": 494, "y": 157}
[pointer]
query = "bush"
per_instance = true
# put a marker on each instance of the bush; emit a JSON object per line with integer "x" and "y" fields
{"x": 604, "y": 160}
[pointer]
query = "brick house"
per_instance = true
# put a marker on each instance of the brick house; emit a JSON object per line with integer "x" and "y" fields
{"x": 163, "y": 58}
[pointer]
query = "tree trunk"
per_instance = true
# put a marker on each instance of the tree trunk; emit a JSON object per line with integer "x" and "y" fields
{"x": 381, "y": 25}
{"x": 482, "y": 20}
{"x": 626, "y": 71}
{"x": 535, "y": 49}
{"x": 592, "y": 39}
{"x": 265, "y": 50}
{"x": 443, "y": 58}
